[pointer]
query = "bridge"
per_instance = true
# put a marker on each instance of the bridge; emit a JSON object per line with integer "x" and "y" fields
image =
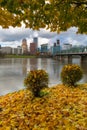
{"x": 61, "y": 55}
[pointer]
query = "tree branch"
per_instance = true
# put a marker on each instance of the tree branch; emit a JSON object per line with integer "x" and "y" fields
{"x": 79, "y": 3}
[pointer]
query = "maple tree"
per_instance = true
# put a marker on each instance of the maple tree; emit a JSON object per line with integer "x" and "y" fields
{"x": 56, "y": 15}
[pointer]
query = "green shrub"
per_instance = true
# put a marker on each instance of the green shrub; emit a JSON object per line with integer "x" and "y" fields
{"x": 36, "y": 80}
{"x": 71, "y": 74}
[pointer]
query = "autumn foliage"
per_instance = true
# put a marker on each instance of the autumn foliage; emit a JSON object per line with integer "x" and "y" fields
{"x": 56, "y": 15}
{"x": 36, "y": 80}
{"x": 63, "y": 108}
{"x": 71, "y": 74}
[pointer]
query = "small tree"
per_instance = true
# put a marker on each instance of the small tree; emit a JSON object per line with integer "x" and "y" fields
{"x": 71, "y": 74}
{"x": 36, "y": 80}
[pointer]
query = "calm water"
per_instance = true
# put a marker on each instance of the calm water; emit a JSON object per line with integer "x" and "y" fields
{"x": 13, "y": 71}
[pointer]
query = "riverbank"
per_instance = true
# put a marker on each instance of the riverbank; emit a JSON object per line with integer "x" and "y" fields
{"x": 27, "y": 56}
{"x": 20, "y": 56}
{"x": 61, "y": 108}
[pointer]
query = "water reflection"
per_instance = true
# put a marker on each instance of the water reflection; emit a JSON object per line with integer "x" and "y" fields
{"x": 84, "y": 68}
{"x": 13, "y": 71}
{"x": 24, "y": 66}
{"x": 33, "y": 63}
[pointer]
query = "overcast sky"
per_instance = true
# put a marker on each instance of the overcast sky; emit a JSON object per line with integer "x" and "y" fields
{"x": 14, "y": 36}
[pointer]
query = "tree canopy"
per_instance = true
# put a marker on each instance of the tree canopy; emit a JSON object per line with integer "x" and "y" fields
{"x": 56, "y": 15}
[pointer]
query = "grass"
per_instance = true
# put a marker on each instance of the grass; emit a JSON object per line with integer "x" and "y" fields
{"x": 60, "y": 108}
{"x": 20, "y": 56}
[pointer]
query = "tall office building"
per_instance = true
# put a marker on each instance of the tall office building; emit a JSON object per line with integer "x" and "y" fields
{"x": 58, "y": 42}
{"x": 35, "y": 40}
{"x": 33, "y": 48}
{"x": 24, "y": 46}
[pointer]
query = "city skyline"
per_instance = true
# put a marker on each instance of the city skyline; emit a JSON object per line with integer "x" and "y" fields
{"x": 13, "y": 36}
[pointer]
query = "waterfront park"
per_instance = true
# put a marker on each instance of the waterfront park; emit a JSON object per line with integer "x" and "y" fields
{"x": 38, "y": 106}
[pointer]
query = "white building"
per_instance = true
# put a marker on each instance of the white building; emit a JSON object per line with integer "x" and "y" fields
{"x": 66, "y": 46}
{"x": 6, "y": 50}
{"x": 17, "y": 50}
{"x": 14, "y": 50}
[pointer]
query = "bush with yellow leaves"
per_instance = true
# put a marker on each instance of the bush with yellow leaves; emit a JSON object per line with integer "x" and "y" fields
{"x": 71, "y": 74}
{"x": 36, "y": 80}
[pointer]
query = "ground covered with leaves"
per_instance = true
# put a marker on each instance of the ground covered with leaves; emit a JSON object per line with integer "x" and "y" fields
{"x": 60, "y": 108}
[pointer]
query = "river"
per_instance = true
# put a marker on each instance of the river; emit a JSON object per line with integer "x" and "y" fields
{"x": 14, "y": 70}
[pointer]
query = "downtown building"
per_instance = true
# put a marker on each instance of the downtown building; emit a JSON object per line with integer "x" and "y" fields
{"x": 34, "y": 46}
{"x": 24, "y": 46}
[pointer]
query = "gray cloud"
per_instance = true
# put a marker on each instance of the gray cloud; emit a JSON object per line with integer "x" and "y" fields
{"x": 70, "y": 36}
{"x": 46, "y": 34}
{"x": 15, "y": 35}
